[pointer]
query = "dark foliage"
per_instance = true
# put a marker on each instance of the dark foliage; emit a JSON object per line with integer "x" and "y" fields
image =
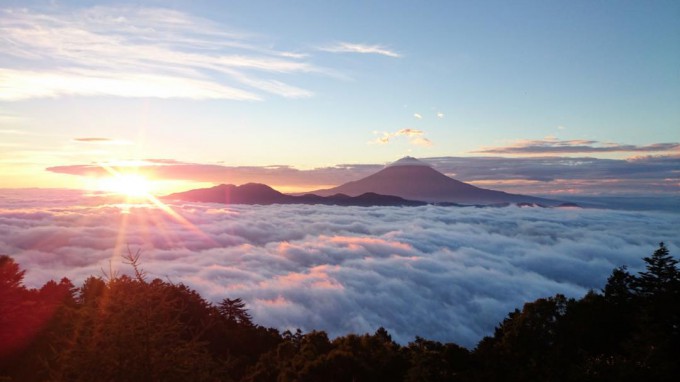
{"x": 627, "y": 333}
{"x": 130, "y": 329}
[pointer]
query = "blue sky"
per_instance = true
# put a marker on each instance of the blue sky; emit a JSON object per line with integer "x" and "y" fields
{"x": 314, "y": 83}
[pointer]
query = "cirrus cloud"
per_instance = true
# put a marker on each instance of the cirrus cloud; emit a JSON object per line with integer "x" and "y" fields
{"x": 347, "y": 47}
{"x": 137, "y": 52}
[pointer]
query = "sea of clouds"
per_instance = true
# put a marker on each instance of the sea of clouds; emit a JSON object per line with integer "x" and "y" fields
{"x": 443, "y": 273}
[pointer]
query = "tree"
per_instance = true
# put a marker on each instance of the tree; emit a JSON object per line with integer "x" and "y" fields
{"x": 662, "y": 276}
{"x": 524, "y": 347}
{"x": 235, "y": 311}
{"x": 11, "y": 276}
{"x": 92, "y": 291}
{"x": 619, "y": 288}
{"x": 16, "y": 327}
{"x": 658, "y": 333}
{"x": 434, "y": 361}
{"x": 133, "y": 330}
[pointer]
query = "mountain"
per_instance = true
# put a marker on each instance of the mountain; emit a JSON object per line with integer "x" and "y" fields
{"x": 255, "y": 193}
{"x": 251, "y": 193}
{"x": 412, "y": 179}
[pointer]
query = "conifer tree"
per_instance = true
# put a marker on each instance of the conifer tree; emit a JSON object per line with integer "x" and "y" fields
{"x": 234, "y": 310}
{"x": 662, "y": 275}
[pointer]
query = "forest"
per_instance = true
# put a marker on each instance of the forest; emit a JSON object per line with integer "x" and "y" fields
{"x": 129, "y": 328}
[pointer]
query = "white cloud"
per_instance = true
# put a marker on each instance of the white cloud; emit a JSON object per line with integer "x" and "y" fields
{"x": 347, "y": 47}
{"x": 421, "y": 141}
{"x": 137, "y": 52}
{"x": 23, "y": 84}
{"x": 415, "y": 137}
{"x": 449, "y": 274}
{"x": 417, "y": 116}
{"x": 440, "y": 115}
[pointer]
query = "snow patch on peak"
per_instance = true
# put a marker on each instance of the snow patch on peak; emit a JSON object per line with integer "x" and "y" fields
{"x": 408, "y": 161}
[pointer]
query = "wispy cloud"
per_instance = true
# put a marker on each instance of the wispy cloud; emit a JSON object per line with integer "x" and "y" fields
{"x": 347, "y": 47}
{"x": 440, "y": 115}
{"x": 92, "y": 139}
{"x": 137, "y": 52}
{"x": 421, "y": 141}
{"x": 13, "y": 132}
{"x": 102, "y": 140}
{"x": 416, "y": 137}
{"x": 10, "y": 119}
{"x": 417, "y": 116}
{"x": 24, "y": 84}
{"x": 557, "y": 146}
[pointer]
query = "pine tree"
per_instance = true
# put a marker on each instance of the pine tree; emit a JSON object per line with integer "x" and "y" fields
{"x": 235, "y": 311}
{"x": 658, "y": 337}
{"x": 619, "y": 288}
{"x": 662, "y": 275}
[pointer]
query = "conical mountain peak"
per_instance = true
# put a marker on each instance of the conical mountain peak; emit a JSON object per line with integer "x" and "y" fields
{"x": 408, "y": 161}
{"x": 412, "y": 179}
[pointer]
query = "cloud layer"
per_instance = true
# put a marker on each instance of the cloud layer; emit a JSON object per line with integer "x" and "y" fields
{"x": 449, "y": 274}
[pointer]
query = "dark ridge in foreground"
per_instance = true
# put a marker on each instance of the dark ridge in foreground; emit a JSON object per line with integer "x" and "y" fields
{"x": 255, "y": 193}
{"x": 122, "y": 328}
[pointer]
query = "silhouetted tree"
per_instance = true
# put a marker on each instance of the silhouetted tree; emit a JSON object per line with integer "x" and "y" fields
{"x": 657, "y": 338}
{"x": 619, "y": 288}
{"x": 234, "y": 310}
{"x": 523, "y": 346}
{"x": 16, "y": 326}
{"x": 134, "y": 331}
{"x": 661, "y": 277}
{"x": 434, "y": 361}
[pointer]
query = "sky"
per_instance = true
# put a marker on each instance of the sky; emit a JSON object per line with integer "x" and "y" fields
{"x": 575, "y": 97}
{"x": 442, "y": 273}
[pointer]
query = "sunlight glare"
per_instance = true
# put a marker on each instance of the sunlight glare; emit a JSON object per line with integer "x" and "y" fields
{"x": 131, "y": 185}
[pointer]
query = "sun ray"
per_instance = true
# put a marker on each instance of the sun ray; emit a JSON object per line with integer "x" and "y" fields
{"x": 136, "y": 187}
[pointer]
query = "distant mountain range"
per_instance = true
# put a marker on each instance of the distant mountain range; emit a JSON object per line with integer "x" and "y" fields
{"x": 255, "y": 193}
{"x": 406, "y": 182}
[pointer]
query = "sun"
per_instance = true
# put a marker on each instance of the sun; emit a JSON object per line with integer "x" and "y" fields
{"x": 130, "y": 185}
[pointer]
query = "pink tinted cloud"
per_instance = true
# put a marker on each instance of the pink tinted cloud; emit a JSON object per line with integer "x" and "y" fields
{"x": 449, "y": 274}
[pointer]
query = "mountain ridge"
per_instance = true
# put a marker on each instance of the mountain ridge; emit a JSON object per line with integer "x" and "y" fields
{"x": 262, "y": 194}
{"x": 405, "y": 182}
